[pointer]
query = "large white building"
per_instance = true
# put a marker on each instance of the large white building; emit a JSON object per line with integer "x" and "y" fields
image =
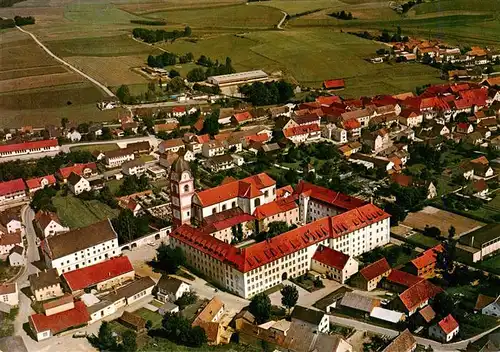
{"x": 260, "y": 266}
{"x": 115, "y": 158}
{"x": 81, "y": 247}
{"x": 238, "y": 78}
{"x": 10, "y": 150}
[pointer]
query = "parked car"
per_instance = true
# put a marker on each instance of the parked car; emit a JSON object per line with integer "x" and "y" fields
{"x": 80, "y": 334}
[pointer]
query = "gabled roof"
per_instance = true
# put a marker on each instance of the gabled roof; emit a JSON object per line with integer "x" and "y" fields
{"x": 77, "y": 169}
{"x": 428, "y": 257}
{"x": 61, "y": 321}
{"x": 9, "y": 187}
{"x": 427, "y": 313}
{"x": 6, "y": 148}
{"x": 172, "y": 143}
{"x": 418, "y": 294}
{"x": 403, "y": 278}
{"x": 328, "y": 196}
{"x": 483, "y": 301}
{"x": 79, "y": 239}
{"x": 170, "y": 284}
{"x": 226, "y": 219}
{"x": 242, "y": 116}
{"x": 209, "y": 312}
{"x": 300, "y": 130}
{"x": 273, "y": 208}
{"x": 328, "y": 99}
{"x": 246, "y": 188}
{"x": 334, "y": 83}
{"x": 376, "y": 269}
{"x": 311, "y": 316}
{"x": 405, "y": 342}
{"x": 331, "y": 257}
{"x": 92, "y": 275}
{"x": 281, "y": 192}
{"x": 351, "y": 124}
{"x": 9, "y": 239}
{"x": 44, "y": 279}
{"x": 37, "y": 182}
{"x": 73, "y": 179}
{"x": 448, "y": 324}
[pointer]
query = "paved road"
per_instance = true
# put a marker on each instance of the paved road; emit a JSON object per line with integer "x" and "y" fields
{"x": 25, "y": 310}
{"x": 100, "y": 85}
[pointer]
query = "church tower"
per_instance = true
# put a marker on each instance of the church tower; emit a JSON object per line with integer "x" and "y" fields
{"x": 181, "y": 191}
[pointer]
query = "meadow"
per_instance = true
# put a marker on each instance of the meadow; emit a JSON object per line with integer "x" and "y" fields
{"x": 75, "y": 212}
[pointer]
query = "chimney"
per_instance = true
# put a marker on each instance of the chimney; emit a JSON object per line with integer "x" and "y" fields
{"x": 472, "y": 241}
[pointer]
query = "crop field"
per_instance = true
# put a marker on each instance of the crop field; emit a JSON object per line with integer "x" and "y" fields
{"x": 31, "y": 72}
{"x": 457, "y": 5}
{"x": 237, "y": 16}
{"x": 52, "y": 80}
{"x": 140, "y": 8}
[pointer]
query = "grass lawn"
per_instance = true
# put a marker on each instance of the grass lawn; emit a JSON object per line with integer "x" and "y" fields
{"x": 7, "y": 271}
{"x": 75, "y": 212}
{"x": 488, "y": 210}
{"x": 146, "y": 158}
{"x": 190, "y": 311}
{"x": 114, "y": 185}
{"x": 7, "y": 319}
{"x": 155, "y": 345}
{"x": 477, "y": 323}
{"x": 149, "y": 315}
{"x": 95, "y": 147}
{"x": 422, "y": 240}
{"x": 457, "y": 5}
{"x": 492, "y": 263}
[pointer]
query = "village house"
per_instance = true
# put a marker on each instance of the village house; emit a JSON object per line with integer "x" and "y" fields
{"x": 78, "y": 184}
{"x": 47, "y": 223}
{"x": 370, "y": 276}
{"x": 34, "y": 184}
{"x": 86, "y": 170}
{"x": 303, "y": 134}
{"x": 405, "y": 342}
{"x": 194, "y": 143}
{"x": 9, "y": 294}
{"x": 350, "y": 148}
{"x": 11, "y": 191}
{"x": 334, "y": 264}
{"x": 135, "y": 167}
{"x": 209, "y": 320}
{"x": 376, "y": 140}
{"x": 318, "y": 320}
{"x": 220, "y": 162}
{"x": 81, "y": 247}
{"x": 171, "y": 145}
{"x": 372, "y": 162}
{"x": 415, "y": 297}
{"x": 43, "y": 146}
{"x": 16, "y": 256}
{"x": 355, "y": 302}
{"x": 170, "y": 289}
{"x": 73, "y": 135}
{"x": 445, "y": 330}
{"x": 101, "y": 276}
{"x": 10, "y": 221}
{"x": 46, "y": 285}
{"x": 492, "y": 308}
{"x": 212, "y": 148}
{"x": 424, "y": 265}
{"x": 331, "y": 131}
{"x": 8, "y": 241}
{"x": 115, "y": 158}
{"x": 139, "y": 147}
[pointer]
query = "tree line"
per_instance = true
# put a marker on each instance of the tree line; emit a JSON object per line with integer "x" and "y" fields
{"x": 16, "y": 21}
{"x": 214, "y": 68}
{"x": 159, "y": 35}
{"x": 149, "y": 23}
{"x": 268, "y": 93}
{"x": 168, "y": 59}
{"x": 342, "y": 15}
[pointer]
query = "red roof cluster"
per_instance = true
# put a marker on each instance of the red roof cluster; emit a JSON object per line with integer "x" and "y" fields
{"x": 283, "y": 191}
{"x": 242, "y": 116}
{"x": 37, "y": 182}
{"x": 246, "y": 188}
{"x": 376, "y": 269}
{"x": 77, "y": 169}
{"x": 221, "y": 223}
{"x": 328, "y": 196}
{"x": 179, "y": 109}
{"x": 61, "y": 321}
{"x": 94, "y": 274}
{"x": 263, "y": 138}
{"x": 351, "y": 124}
{"x": 9, "y": 187}
{"x": 258, "y": 254}
{"x": 334, "y": 84}
{"x": 428, "y": 257}
{"x": 418, "y": 294}
{"x": 300, "y": 130}
{"x": 47, "y": 143}
{"x": 331, "y": 257}
{"x": 448, "y": 324}
{"x": 276, "y": 207}
{"x": 328, "y": 99}
{"x": 403, "y": 278}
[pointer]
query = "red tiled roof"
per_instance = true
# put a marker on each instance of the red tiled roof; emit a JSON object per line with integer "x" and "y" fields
{"x": 224, "y": 223}
{"x": 329, "y": 196}
{"x": 36, "y": 182}
{"x": 172, "y": 143}
{"x": 273, "y": 208}
{"x": 463, "y": 125}
{"x": 8, "y": 288}
{"x": 418, "y": 294}
{"x": 409, "y": 113}
{"x": 334, "y": 83}
{"x": 258, "y": 254}
{"x": 403, "y": 278}
{"x": 257, "y": 138}
{"x": 242, "y": 116}
{"x": 77, "y": 169}
{"x": 448, "y": 324}
{"x": 204, "y": 138}
{"x": 9, "y": 239}
{"x": 94, "y": 274}
{"x": 28, "y": 145}
{"x": 67, "y": 298}
{"x": 300, "y": 130}
{"x": 331, "y": 257}
{"x": 307, "y": 119}
{"x": 376, "y": 269}
{"x": 383, "y": 100}
{"x": 328, "y": 99}
{"x": 402, "y": 180}
{"x": 427, "y": 313}
{"x": 476, "y": 96}
{"x": 13, "y": 186}
{"x": 281, "y": 192}
{"x": 480, "y": 185}
{"x": 428, "y": 257}
{"x": 61, "y": 321}
{"x": 179, "y": 109}
{"x": 246, "y": 188}
{"x": 198, "y": 125}
{"x": 351, "y": 124}
{"x": 459, "y": 87}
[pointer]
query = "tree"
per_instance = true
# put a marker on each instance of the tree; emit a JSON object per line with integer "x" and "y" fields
{"x": 169, "y": 259}
{"x": 260, "y": 307}
{"x": 196, "y": 75}
{"x": 129, "y": 343}
{"x": 187, "y": 31}
{"x": 176, "y": 84}
{"x": 64, "y": 122}
{"x": 186, "y": 299}
{"x": 451, "y": 232}
{"x": 173, "y": 73}
{"x": 290, "y": 296}
{"x": 105, "y": 337}
{"x": 149, "y": 324}
{"x": 211, "y": 123}
{"x": 125, "y": 226}
{"x": 197, "y": 337}
{"x": 276, "y": 227}
{"x": 123, "y": 93}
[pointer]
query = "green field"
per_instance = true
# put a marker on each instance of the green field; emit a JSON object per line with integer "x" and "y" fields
{"x": 104, "y": 147}
{"x": 236, "y": 16}
{"x": 485, "y": 6}
{"x": 149, "y": 315}
{"x": 75, "y": 212}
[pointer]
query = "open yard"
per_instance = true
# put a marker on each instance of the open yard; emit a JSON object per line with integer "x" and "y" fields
{"x": 104, "y": 147}
{"x": 149, "y": 315}
{"x": 75, "y": 212}
{"x": 440, "y": 218}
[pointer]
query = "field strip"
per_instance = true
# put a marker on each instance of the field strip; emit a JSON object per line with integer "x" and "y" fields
{"x": 103, "y": 87}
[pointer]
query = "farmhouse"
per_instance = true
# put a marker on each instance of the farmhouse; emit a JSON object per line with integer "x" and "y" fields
{"x": 334, "y": 84}
{"x": 238, "y": 78}
{"x": 85, "y": 170}
{"x": 8, "y": 241}
{"x": 115, "y": 158}
{"x": 46, "y": 285}
{"x": 44, "y": 146}
{"x": 48, "y": 223}
{"x": 336, "y": 264}
{"x": 445, "y": 330}
{"x": 12, "y": 190}
{"x": 78, "y": 184}
{"x": 424, "y": 265}
{"x": 34, "y": 184}
{"x": 81, "y": 247}
{"x": 318, "y": 320}
{"x": 372, "y": 274}
{"x": 171, "y": 288}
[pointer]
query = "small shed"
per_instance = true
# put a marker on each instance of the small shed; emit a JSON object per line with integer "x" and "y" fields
{"x": 133, "y": 321}
{"x": 168, "y": 307}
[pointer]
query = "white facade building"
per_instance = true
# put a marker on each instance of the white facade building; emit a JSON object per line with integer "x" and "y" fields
{"x": 78, "y": 184}
{"x": 9, "y": 294}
